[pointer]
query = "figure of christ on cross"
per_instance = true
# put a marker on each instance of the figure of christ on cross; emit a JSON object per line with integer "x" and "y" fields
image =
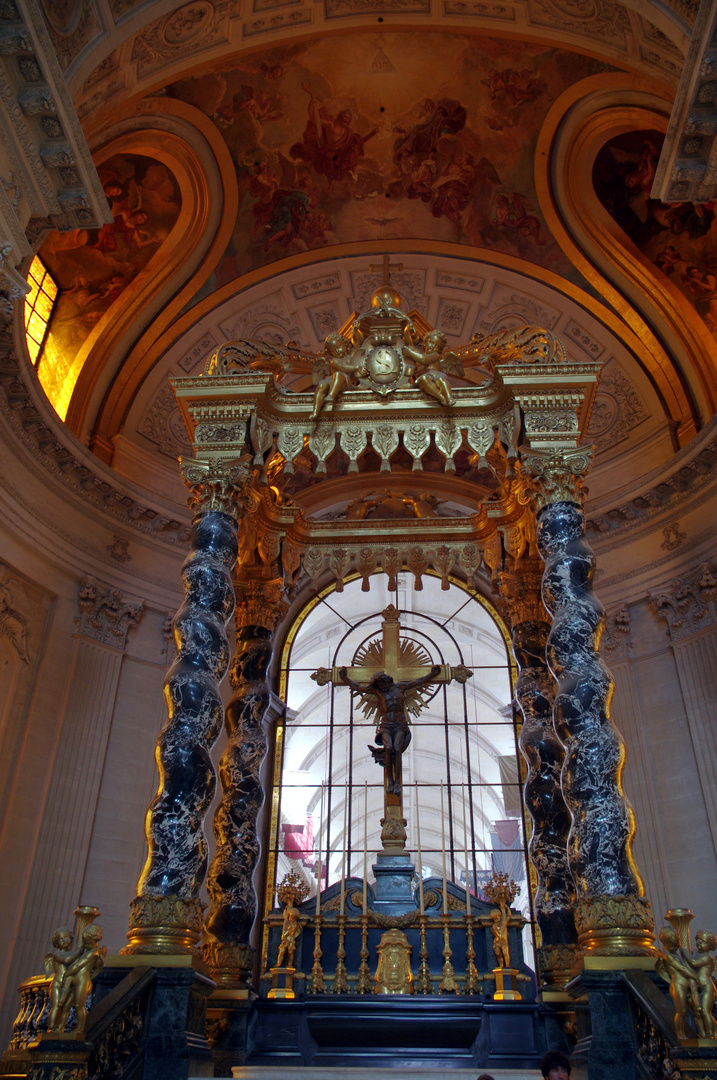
{"x": 392, "y": 732}
{"x": 390, "y": 677}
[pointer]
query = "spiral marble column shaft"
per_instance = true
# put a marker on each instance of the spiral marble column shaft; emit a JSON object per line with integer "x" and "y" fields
{"x": 599, "y": 845}
{"x": 166, "y": 914}
{"x": 541, "y": 748}
{"x": 232, "y": 913}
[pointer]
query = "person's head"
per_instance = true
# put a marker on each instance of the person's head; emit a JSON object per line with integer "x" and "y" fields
{"x": 485, "y": 1076}
{"x": 495, "y": 915}
{"x": 555, "y": 1066}
{"x": 435, "y": 341}
{"x": 381, "y": 682}
{"x": 62, "y": 938}
{"x": 92, "y": 934}
{"x": 669, "y": 938}
{"x": 705, "y": 941}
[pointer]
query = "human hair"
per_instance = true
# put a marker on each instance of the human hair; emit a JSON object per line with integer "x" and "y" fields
{"x": 553, "y": 1060}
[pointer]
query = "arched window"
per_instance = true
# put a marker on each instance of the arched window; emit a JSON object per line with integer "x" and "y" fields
{"x": 464, "y": 741}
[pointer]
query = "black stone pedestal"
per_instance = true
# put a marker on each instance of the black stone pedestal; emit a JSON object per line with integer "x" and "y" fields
{"x": 175, "y": 1044}
{"x": 394, "y": 884}
{"x": 391, "y": 1030}
{"x": 606, "y": 1045}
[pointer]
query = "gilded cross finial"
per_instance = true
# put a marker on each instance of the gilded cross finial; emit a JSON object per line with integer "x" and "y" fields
{"x": 385, "y": 268}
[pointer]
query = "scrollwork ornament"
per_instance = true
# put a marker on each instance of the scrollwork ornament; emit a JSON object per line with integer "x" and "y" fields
{"x": 556, "y": 476}
{"x": 217, "y": 486}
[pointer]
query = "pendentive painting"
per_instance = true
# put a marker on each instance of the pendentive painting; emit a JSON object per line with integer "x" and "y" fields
{"x": 680, "y": 239}
{"x": 93, "y": 267}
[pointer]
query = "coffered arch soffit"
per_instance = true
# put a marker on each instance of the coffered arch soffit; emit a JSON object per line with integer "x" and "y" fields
{"x": 679, "y": 352}
{"x": 154, "y": 43}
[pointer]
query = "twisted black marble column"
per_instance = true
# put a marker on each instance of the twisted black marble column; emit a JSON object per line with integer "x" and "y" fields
{"x": 166, "y": 916}
{"x": 233, "y": 906}
{"x": 544, "y": 754}
{"x": 599, "y": 845}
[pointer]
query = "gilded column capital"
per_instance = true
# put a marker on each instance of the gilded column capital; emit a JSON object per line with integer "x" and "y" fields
{"x": 260, "y": 603}
{"x": 219, "y": 485}
{"x": 519, "y": 590}
{"x": 556, "y": 475}
{"x": 615, "y": 926}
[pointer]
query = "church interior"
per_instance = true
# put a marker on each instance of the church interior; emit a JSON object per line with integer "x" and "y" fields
{"x": 228, "y": 232}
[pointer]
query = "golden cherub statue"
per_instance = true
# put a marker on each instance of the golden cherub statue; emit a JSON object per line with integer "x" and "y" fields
{"x": 75, "y": 977}
{"x": 431, "y": 361}
{"x": 291, "y": 891}
{"x": 56, "y": 964}
{"x": 702, "y": 965}
{"x": 347, "y": 363}
{"x": 683, "y": 985}
{"x": 501, "y": 890}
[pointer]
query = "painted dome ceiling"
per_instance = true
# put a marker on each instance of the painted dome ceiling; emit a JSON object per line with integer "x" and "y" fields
{"x": 261, "y": 161}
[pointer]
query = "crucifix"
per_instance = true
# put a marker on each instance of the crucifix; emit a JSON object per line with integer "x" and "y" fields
{"x": 386, "y": 267}
{"x": 392, "y": 680}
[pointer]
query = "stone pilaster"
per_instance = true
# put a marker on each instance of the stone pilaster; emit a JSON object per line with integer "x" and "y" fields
{"x": 84, "y": 722}
{"x": 229, "y": 922}
{"x": 611, "y": 914}
{"x": 166, "y": 915}
{"x": 519, "y": 588}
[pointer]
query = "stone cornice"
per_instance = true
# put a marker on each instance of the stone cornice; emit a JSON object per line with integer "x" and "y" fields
{"x": 683, "y": 478}
{"x": 46, "y": 446}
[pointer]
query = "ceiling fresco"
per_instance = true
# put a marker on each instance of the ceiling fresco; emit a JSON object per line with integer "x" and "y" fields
{"x": 679, "y": 239}
{"x": 365, "y": 137}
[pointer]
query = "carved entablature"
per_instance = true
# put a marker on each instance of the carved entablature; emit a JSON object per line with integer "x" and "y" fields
{"x": 382, "y": 412}
{"x": 689, "y": 604}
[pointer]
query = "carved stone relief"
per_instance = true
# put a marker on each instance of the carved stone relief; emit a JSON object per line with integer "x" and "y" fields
{"x": 411, "y": 285}
{"x": 192, "y": 28}
{"x": 104, "y": 615}
{"x": 617, "y": 641}
{"x": 618, "y": 409}
{"x": 71, "y": 24}
{"x": 603, "y": 19}
{"x": 162, "y": 425}
{"x": 688, "y": 603}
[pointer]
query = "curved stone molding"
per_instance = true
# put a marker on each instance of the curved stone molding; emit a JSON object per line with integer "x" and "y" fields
{"x": 599, "y": 846}
{"x": 177, "y": 848}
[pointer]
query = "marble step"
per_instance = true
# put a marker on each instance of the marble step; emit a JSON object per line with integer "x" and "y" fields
{"x": 271, "y": 1072}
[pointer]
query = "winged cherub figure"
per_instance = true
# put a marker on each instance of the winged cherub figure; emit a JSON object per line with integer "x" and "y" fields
{"x": 347, "y": 362}
{"x": 431, "y": 361}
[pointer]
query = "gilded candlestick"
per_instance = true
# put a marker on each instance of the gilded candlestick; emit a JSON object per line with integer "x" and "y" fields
{"x": 472, "y": 983}
{"x": 316, "y": 981}
{"x": 448, "y": 984}
{"x": 423, "y": 979}
{"x": 341, "y": 982}
{"x": 363, "y": 983}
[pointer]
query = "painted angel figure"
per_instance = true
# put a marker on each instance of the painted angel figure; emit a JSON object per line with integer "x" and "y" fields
{"x": 431, "y": 361}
